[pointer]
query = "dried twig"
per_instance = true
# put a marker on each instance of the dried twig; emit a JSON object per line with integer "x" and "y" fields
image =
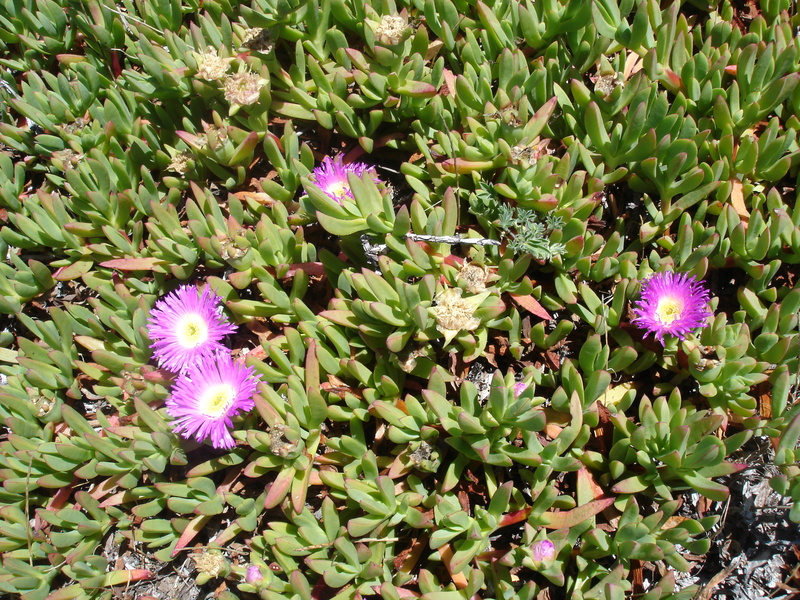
{"x": 451, "y": 239}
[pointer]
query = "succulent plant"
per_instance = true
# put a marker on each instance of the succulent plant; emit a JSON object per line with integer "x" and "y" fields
{"x": 439, "y": 235}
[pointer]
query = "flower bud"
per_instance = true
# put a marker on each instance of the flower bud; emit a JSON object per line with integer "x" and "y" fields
{"x": 253, "y": 575}
{"x": 543, "y": 551}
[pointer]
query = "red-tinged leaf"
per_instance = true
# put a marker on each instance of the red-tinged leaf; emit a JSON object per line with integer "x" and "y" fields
{"x": 587, "y": 487}
{"x": 449, "y": 87}
{"x": 631, "y": 485}
{"x": 83, "y": 229}
{"x": 126, "y": 431}
{"x": 300, "y": 484}
{"x": 194, "y": 527}
{"x": 66, "y": 593}
{"x": 189, "y": 138}
{"x": 70, "y": 59}
{"x": 266, "y": 410}
{"x": 452, "y": 165}
{"x": 417, "y": 89}
{"x": 258, "y": 197}
{"x": 279, "y": 488}
{"x": 546, "y": 203}
{"x": 314, "y": 269}
{"x": 158, "y": 376}
{"x": 118, "y": 498}
{"x": 398, "y": 468}
{"x": 133, "y": 264}
{"x": 126, "y": 576}
{"x": 401, "y": 592}
{"x": 90, "y": 344}
{"x": 358, "y": 59}
{"x": 73, "y": 271}
{"x": 673, "y": 77}
{"x": 576, "y": 516}
{"x": 532, "y": 305}
{"x": 60, "y": 498}
{"x": 341, "y": 317}
{"x": 515, "y": 517}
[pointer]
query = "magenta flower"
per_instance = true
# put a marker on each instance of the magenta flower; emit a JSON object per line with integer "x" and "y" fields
{"x": 519, "y": 387}
{"x": 207, "y": 395}
{"x": 543, "y": 551}
{"x": 671, "y": 303}
{"x": 185, "y": 326}
{"x": 331, "y": 177}
{"x": 253, "y": 575}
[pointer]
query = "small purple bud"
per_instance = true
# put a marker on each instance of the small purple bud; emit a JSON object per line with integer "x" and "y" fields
{"x": 253, "y": 575}
{"x": 519, "y": 387}
{"x": 544, "y": 551}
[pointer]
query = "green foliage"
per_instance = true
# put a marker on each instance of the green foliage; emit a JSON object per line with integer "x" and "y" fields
{"x": 454, "y": 400}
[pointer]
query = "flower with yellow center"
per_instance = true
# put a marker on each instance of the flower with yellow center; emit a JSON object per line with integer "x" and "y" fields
{"x": 668, "y": 310}
{"x": 206, "y": 397}
{"x": 185, "y": 326}
{"x": 673, "y": 304}
{"x": 331, "y": 177}
{"x": 216, "y": 400}
{"x": 191, "y": 331}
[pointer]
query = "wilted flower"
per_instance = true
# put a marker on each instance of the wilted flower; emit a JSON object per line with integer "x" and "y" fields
{"x": 243, "y": 89}
{"x": 543, "y": 551}
{"x": 392, "y": 29}
{"x": 210, "y": 563}
{"x": 66, "y": 159}
{"x": 606, "y": 84}
{"x": 519, "y": 387}
{"x": 204, "y": 399}
{"x": 211, "y": 66}
{"x": 331, "y": 177}
{"x": 185, "y": 327}
{"x": 671, "y": 303}
{"x": 474, "y": 276}
{"x": 258, "y": 39}
{"x": 454, "y": 313}
{"x": 180, "y": 163}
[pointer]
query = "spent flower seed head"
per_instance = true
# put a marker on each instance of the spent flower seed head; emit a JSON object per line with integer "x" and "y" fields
{"x": 673, "y": 304}
{"x": 185, "y": 326}
{"x": 243, "y": 89}
{"x": 211, "y": 66}
{"x": 208, "y": 395}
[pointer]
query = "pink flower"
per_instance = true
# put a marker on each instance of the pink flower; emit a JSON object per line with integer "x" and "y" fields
{"x": 185, "y": 327}
{"x": 253, "y": 574}
{"x": 671, "y": 303}
{"x": 207, "y": 395}
{"x": 331, "y": 177}
{"x": 543, "y": 551}
{"x": 519, "y": 387}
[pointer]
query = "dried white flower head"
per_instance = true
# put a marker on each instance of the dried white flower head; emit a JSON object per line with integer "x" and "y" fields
{"x": 454, "y": 313}
{"x": 213, "y": 137}
{"x": 180, "y": 163}
{"x": 474, "y": 276}
{"x": 258, "y": 39}
{"x": 391, "y": 29}
{"x": 211, "y": 66}
{"x": 210, "y": 563}
{"x": 243, "y": 88}
{"x": 66, "y": 159}
{"x": 606, "y": 84}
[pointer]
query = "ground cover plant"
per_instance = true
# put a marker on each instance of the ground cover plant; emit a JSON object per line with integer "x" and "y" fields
{"x": 427, "y": 298}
